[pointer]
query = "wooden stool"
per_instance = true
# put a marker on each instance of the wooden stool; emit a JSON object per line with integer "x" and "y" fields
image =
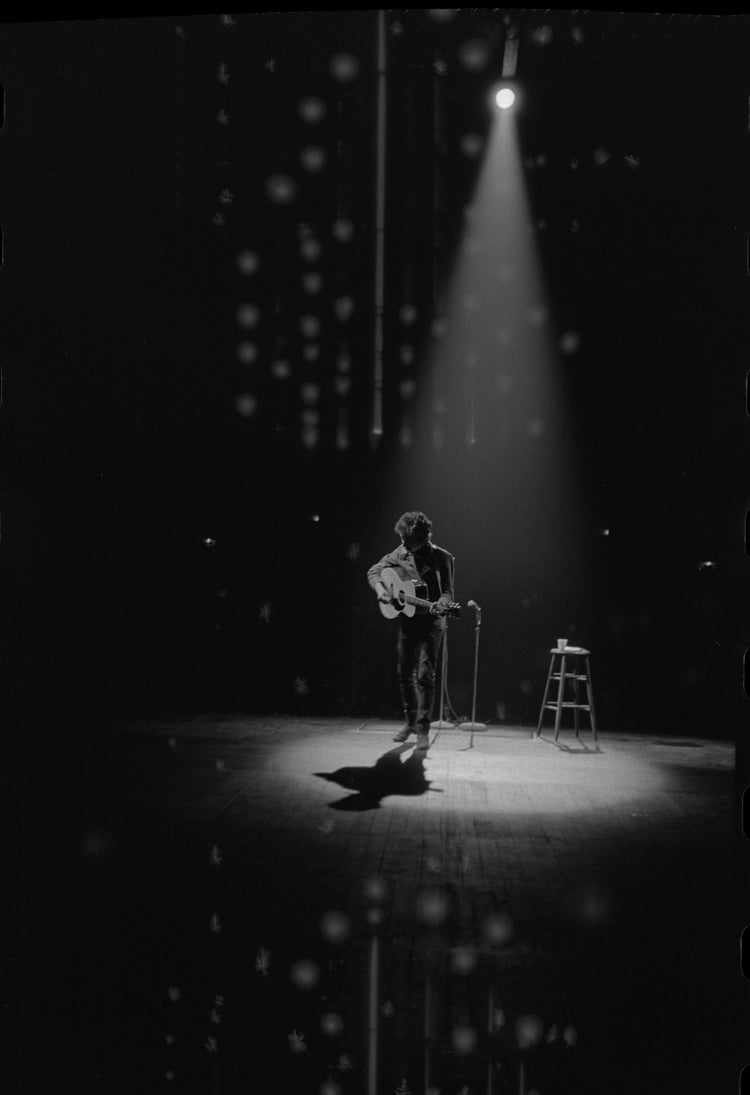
{"x": 570, "y": 669}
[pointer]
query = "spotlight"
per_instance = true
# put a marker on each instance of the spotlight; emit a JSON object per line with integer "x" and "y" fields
{"x": 505, "y": 97}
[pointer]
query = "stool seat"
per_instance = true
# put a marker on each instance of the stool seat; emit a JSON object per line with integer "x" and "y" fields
{"x": 563, "y": 673}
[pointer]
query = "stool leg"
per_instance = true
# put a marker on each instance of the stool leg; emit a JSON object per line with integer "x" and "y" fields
{"x": 575, "y": 700}
{"x": 558, "y": 712}
{"x": 590, "y": 693}
{"x": 544, "y": 697}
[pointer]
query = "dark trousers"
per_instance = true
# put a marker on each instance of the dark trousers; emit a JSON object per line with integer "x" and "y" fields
{"x": 417, "y": 649}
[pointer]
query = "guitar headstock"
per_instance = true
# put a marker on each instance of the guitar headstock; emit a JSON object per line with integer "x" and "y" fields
{"x": 453, "y": 609}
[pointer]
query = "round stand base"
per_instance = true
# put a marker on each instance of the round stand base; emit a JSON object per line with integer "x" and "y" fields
{"x": 472, "y": 726}
{"x": 441, "y": 724}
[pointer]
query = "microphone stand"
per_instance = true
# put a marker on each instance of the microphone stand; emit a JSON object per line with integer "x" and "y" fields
{"x": 474, "y": 725}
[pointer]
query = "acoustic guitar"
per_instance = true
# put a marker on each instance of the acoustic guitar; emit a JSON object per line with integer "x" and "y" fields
{"x": 406, "y": 600}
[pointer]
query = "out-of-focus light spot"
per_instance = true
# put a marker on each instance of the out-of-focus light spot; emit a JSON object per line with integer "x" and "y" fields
{"x": 570, "y": 342}
{"x": 226, "y": 197}
{"x": 375, "y": 917}
{"x": 433, "y": 907}
{"x": 342, "y": 437}
{"x": 281, "y": 189}
{"x": 312, "y": 109}
{"x": 475, "y": 54}
{"x": 310, "y": 326}
{"x": 552, "y": 1034}
{"x": 311, "y": 353}
{"x": 542, "y": 36}
{"x": 335, "y": 926}
{"x": 310, "y": 250}
{"x": 603, "y": 532}
{"x": 222, "y": 593}
{"x": 541, "y": 160}
{"x": 264, "y": 612}
{"x": 591, "y": 905}
{"x": 570, "y": 1037}
{"x": 330, "y": 1087}
{"x": 526, "y": 686}
{"x": 246, "y": 404}
{"x": 397, "y": 29}
{"x": 353, "y": 551}
{"x": 97, "y": 845}
{"x": 315, "y": 518}
{"x": 575, "y": 164}
{"x": 631, "y": 161}
{"x": 344, "y": 67}
{"x": 406, "y": 354}
{"x": 343, "y": 230}
{"x": 247, "y": 262}
{"x": 222, "y": 118}
{"x": 304, "y": 974}
{"x": 216, "y": 924}
{"x": 575, "y": 226}
{"x": 209, "y": 542}
{"x": 174, "y": 994}
{"x": 601, "y": 157}
{"x": 342, "y": 385}
{"x": 497, "y": 929}
{"x": 472, "y": 145}
{"x": 313, "y": 159}
{"x": 464, "y": 1040}
{"x": 577, "y": 35}
{"x": 505, "y": 98}
{"x": 281, "y": 369}
{"x": 707, "y": 565}
{"x": 343, "y": 308}
{"x": 440, "y": 66}
{"x": 218, "y": 220}
{"x": 331, "y": 1024}
{"x": 439, "y": 328}
{"x": 222, "y": 73}
{"x": 376, "y": 888}
{"x": 541, "y": 224}
{"x": 310, "y": 392}
{"x": 535, "y": 427}
{"x": 529, "y": 1030}
{"x": 388, "y": 1010}
{"x": 538, "y": 315}
{"x": 405, "y": 437}
{"x": 498, "y": 1019}
{"x": 312, "y": 282}
{"x": 407, "y": 388}
{"x": 169, "y": 1075}
{"x": 441, "y": 15}
{"x": 310, "y": 417}
{"x": 310, "y": 437}
{"x": 463, "y": 960}
{"x": 407, "y": 314}
{"x": 247, "y": 315}
{"x": 343, "y": 362}
{"x": 247, "y": 353}
{"x": 227, "y": 20}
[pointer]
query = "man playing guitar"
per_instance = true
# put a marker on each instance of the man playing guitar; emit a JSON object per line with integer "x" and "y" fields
{"x": 420, "y": 632}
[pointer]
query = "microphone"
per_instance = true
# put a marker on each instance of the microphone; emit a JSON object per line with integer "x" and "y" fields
{"x": 473, "y": 604}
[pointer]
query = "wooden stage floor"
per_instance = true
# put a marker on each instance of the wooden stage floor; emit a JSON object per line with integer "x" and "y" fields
{"x": 258, "y": 904}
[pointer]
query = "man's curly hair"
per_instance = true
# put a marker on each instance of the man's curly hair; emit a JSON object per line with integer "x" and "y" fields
{"x": 413, "y": 523}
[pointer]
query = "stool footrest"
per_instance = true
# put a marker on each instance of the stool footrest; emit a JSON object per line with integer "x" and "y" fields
{"x": 570, "y": 676}
{"x": 579, "y": 706}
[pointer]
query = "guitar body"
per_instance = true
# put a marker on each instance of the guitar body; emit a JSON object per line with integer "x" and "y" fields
{"x": 407, "y": 597}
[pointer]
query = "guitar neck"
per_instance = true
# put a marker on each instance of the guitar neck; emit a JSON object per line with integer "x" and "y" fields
{"x": 418, "y": 601}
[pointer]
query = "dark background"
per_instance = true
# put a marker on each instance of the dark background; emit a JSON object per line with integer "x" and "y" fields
{"x": 146, "y": 521}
